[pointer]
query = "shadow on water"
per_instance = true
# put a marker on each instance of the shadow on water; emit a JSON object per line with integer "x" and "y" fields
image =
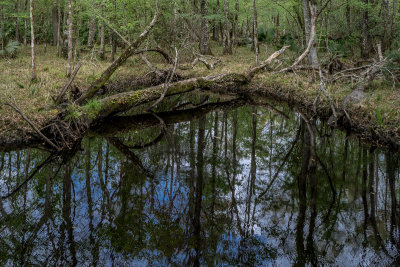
{"x": 223, "y": 184}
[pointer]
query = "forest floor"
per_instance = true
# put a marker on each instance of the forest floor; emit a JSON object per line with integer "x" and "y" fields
{"x": 379, "y": 113}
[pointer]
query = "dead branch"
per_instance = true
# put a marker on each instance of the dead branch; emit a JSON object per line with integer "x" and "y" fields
{"x": 32, "y": 125}
{"x": 151, "y": 66}
{"x": 254, "y": 71}
{"x": 166, "y": 84}
{"x": 159, "y": 50}
{"x": 67, "y": 85}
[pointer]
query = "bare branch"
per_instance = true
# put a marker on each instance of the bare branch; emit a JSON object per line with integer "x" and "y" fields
{"x": 67, "y": 85}
{"x": 166, "y": 84}
{"x": 32, "y": 125}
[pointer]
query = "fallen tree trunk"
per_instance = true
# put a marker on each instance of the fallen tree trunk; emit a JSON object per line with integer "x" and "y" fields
{"x": 124, "y": 101}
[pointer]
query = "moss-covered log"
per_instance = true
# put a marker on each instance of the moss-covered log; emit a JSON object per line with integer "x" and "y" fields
{"x": 125, "y": 101}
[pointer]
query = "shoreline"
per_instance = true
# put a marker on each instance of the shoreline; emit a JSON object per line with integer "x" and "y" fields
{"x": 362, "y": 124}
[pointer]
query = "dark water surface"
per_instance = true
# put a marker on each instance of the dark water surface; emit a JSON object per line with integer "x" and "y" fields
{"x": 238, "y": 186}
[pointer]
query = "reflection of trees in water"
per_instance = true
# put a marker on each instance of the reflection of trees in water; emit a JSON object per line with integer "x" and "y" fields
{"x": 239, "y": 187}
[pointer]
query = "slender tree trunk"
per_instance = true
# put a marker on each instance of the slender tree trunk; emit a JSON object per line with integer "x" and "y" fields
{"x": 385, "y": 24}
{"x": 308, "y": 26}
{"x": 58, "y": 28}
{"x": 33, "y": 42}
{"x": 235, "y": 24}
{"x": 70, "y": 44}
{"x": 220, "y": 28}
{"x": 227, "y": 35}
{"x": 277, "y": 34}
{"x": 392, "y": 27}
{"x": 54, "y": 12}
{"x": 255, "y": 29}
{"x": 25, "y": 26}
{"x": 204, "y": 46}
{"x": 113, "y": 36}
{"x": 102, "y": 42}
{"x": 365, "y": 45}
{"x": 216, "y": 23}
{"x": 348, "y": 17}
{"x": 175, "y": 23}
{"x": 17, "y": 22}
{"x": 92, "y": 31}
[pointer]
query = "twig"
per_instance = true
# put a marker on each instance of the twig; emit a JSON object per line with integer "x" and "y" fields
{"x": 32, "y": 125}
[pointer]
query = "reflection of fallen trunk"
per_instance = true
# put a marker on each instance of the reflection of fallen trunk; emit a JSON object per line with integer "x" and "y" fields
{"x": 120, "y": 124}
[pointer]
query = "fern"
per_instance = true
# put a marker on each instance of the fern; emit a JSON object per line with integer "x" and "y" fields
{"x": 10, "y": 49}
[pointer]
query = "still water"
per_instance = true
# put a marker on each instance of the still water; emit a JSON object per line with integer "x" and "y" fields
{"x": 218, "y": 186}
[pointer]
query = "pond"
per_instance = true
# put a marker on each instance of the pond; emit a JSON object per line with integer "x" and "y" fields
{"x": 221, "y": 185}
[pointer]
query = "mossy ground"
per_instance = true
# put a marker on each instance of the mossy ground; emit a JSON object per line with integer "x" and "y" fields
{"x": 380, "y": 109}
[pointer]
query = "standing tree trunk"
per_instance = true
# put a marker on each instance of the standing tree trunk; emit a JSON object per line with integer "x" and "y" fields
{"x": 70, "y": 44}
{"x": 92, "y": 31}
{"x": 309, "y": 28}
{"x": 277, "y": 34}
{"x": 235, "y": 23}
{"x": 33, "y": 42}
{"x": 227, "y": 35}
{"x": 204, "y": 47}
{"x": 54, "y": 14}
{"x": 17, "y": 22}
{"x": 365, "y": 46}
{"x": 385, "y": 24}
{"x": 25, "y": 26}
{"x": 113, "y": 35}
{"x": 348, "y": 18}
{"x": 255, "y": 29}
{"x": 392, "y": 28}
{"x": 58, "y": 29}
{"x": 102, "y": 44}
